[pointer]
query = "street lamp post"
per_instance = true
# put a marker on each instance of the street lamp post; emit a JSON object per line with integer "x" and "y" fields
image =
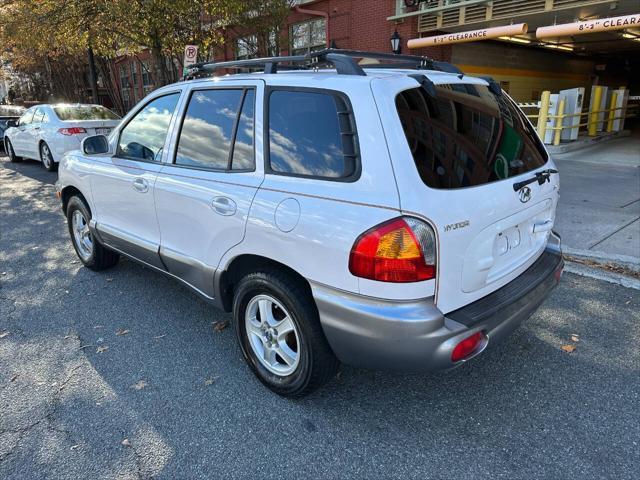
{"x": 396, "y": 46}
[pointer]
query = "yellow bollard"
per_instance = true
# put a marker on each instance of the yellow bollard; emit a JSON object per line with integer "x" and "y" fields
{"x": 559, "y": 118}
{"x": 612, "y": 111}
{"x": 545, "y": 99}
{"x": 595, "y": 111}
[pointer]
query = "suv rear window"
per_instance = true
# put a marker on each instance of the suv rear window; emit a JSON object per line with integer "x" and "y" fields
{"x": 88, "y": 112}
{"x": 467, "y": 136}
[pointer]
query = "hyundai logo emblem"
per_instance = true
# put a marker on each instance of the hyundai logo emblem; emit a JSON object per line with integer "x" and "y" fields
{"x": 525, "y": 194}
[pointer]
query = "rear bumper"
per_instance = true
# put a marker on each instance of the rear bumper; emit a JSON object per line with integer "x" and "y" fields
{"x": 416, "y": 336}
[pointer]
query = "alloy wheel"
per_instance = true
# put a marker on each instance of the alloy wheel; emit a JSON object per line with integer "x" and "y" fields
{"x": 82, "y": 235}
{"x": 273, "y": 335}
{"x": 45, "y": 156}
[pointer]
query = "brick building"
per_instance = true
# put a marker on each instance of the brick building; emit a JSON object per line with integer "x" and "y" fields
{"x": 523, "y": 66}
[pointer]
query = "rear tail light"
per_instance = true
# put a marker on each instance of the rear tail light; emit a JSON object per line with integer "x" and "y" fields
{"x": 468, "y": 347}
{"x": 72, "y": 131}
{"x": 401, "y": 250}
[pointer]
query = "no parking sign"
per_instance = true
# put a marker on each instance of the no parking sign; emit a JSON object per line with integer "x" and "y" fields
{"x": 190, "y": 57}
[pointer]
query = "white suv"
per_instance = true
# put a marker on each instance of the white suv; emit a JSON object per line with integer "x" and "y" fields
{"x": 396, "y": 216}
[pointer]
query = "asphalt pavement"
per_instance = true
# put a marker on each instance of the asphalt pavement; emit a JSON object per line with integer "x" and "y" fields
{"x": 121, "y": 374}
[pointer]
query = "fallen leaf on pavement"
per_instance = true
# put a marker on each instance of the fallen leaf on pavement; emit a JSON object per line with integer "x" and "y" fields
{"x": 210, "y": 380}
{"x": 126, "y": 442}
{"x": 219, "y": 326}
{"x": 122, "y": 331}
{"x": 139, "y": 385}
{"x": 575, "y": 338}
{"x": 4, "y": 334}
{"x": 102, "y": 349}
{"x": 568, "y": 348}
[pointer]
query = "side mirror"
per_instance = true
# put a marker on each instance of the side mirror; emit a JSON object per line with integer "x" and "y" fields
{"x": 12, "y": 123}
{"x": 95, "y": 145}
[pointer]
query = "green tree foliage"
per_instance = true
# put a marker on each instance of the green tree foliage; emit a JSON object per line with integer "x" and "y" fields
{"x": 48, "y": 40}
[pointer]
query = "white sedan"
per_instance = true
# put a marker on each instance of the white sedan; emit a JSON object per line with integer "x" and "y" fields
{"x": 46, "y": 132}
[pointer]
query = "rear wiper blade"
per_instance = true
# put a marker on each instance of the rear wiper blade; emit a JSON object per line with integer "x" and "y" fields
{"x": 540, "y": 177}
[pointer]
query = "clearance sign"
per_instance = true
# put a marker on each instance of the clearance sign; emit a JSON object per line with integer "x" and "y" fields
{"x": 554, "y": 31}
{"x": 483, "y": 34}
{"x": 589, "y": 26}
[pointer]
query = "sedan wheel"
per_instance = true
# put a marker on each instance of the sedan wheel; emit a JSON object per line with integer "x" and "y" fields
{"x": 47, "y": 158}
{"x": 10, "y": 152}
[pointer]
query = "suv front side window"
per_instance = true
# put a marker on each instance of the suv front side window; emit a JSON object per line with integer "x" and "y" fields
{"x": 144, "y": 136}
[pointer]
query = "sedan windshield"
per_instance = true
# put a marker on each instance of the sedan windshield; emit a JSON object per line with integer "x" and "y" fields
{"x": 84, "y": 112}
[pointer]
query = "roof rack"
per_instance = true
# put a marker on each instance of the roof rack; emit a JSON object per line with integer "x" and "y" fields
{"x": 344, "y": 61}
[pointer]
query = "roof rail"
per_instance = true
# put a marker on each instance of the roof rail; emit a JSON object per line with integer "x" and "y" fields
{"x": 344, "y": 61}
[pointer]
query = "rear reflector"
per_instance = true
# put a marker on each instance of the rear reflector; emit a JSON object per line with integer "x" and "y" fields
{"x": 400, "y": 250}
{"x": 468, "y": 347}
{"x": 72, "y": 131}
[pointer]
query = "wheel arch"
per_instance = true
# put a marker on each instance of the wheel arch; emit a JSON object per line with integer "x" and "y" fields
{"x": 244, "y": 264}
{"x": 70, "y": 191}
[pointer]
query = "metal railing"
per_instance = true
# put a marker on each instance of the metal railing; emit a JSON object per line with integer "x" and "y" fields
{"x": 592, "y": 118}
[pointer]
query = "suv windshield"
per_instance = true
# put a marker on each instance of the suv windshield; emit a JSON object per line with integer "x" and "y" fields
{"x": 85, "y": 112}
{"x": 467, "y": 136}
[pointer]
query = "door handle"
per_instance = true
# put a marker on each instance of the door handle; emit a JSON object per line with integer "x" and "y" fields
{"x": 36, "y": 128}
{"x": 140, "y": 185}
{"x": 224, "y": 206}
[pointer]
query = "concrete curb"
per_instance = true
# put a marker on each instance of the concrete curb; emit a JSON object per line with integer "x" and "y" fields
{"x": 632, "y": 263}
{"x": 585, "y": 142}
{"x": 603, "y": 275}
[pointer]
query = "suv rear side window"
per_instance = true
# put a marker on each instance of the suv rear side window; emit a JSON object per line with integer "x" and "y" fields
{"x": 467, "y": 136}
{"x": 311, "y": 134}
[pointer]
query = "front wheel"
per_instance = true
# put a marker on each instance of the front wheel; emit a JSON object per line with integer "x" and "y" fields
{"x": 91, "y": 253}
{"x": 47, "y": 158}
{"x": 11, "y": 152}
{"x": 279, "y": 331}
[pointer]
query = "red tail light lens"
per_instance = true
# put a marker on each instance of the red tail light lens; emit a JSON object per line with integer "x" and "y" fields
{"x": 72, "y": 131}
{"x": 401, "y": 250}
{"x": 467, "y": 347}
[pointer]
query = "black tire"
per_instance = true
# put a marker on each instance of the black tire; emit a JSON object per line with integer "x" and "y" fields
{"x": 46, "y": 157}
{"x": 8, "y": 148}
{"x": 317, "y": 364}
{"x": 100, "y": 258}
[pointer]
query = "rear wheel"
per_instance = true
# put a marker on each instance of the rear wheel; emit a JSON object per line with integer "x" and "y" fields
{"x": 280, "y": 335}
{"x": 10, "y": 152}
{"x": 91, "y": 253}
{"x": 47, "y": 158}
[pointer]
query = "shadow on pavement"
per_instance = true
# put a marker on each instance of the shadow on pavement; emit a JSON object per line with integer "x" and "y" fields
{"x": 523, "y": 409}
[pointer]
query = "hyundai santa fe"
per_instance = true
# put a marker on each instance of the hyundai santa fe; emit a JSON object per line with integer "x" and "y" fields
{"x": 391, "y": 213}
